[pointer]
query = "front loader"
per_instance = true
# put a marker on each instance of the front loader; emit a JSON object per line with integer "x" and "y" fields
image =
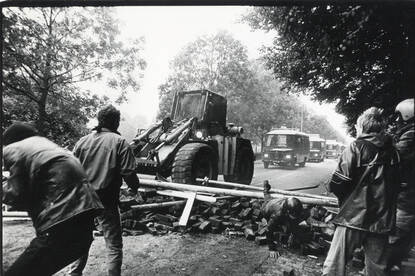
{"x": 195, "y": 142}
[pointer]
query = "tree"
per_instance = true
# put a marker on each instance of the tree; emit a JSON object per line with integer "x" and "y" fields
{"x": 220, "y": 63}
{"x": 216, "y": 62}
{"x": 360, "y": 56}
{"x": 319, "y": 124}
{"x": 267, "y": 107}
{"x": 48, "y": 52}
{"x": 129, "y": 126}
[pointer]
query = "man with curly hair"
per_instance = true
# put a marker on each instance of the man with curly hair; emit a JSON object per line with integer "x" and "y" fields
{"x": 366, "y": 183}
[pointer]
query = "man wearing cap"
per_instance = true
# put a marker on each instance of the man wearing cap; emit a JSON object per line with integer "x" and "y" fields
{"x": 107, "y": 160}
{"x": 50, "y": 184}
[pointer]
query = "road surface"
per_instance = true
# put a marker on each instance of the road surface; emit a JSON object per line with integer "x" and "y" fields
{"x": 312, "y": 174}
{"x": 285, "y": 178}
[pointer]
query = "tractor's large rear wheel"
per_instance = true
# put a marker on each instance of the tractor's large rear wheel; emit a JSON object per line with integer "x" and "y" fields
{"x": 194, "y": 160}
{"x": 244, "y": 167}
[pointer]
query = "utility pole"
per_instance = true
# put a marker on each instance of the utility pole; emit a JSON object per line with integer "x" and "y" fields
{"x": 301, "y": 119}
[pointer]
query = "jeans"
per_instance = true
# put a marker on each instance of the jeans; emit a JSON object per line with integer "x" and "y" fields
{"x": 110, "y": 222}
{"x": 345, "y": 241}
{"x": 51, "y": 251}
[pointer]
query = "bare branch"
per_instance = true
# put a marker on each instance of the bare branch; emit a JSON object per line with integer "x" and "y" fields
{"x": 31, "y": 75}
{"x": 60, "y": 10}
{"x": 45, "y": 16}
{"x": 87, "y": 76}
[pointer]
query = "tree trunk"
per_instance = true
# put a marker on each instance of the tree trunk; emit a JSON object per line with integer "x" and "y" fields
{"x": 41, "y": 121}
{"x": 45, "y": 85}
{"x": 262, "y": 141}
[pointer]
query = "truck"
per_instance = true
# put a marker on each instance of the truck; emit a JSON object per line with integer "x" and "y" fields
{"x": 195, "y": 142}
{"x": 332, "y": 149}
{"x": 285, "y": 147}
{"x": 317, "y": 148}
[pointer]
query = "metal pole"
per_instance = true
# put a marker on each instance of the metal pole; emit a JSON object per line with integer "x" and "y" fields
{"x": 255, "y": 188}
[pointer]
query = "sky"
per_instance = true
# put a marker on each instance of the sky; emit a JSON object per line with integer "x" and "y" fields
{"x": 168, "y": 29}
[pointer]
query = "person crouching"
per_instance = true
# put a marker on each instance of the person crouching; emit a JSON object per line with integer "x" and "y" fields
{"x": 282, "y": 215}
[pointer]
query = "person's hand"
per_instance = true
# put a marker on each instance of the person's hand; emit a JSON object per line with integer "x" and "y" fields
{"x": 136, "y": 194}
{"x": 274, "y": 254}
{"x": 139, "y": 198}
{"x": 132, "y": 192}
{"x": 392, "y": 239}
{"x": 5, "y": 175}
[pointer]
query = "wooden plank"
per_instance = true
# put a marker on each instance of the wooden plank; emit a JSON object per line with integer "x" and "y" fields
{"x": 187, "y": 209}
{"x": 158, "y": 205}
{"x": 15, "y": 214}
{"x": 180, "y": 194}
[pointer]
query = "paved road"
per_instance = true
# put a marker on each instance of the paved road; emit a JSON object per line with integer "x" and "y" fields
{"x": 285, "y": 178}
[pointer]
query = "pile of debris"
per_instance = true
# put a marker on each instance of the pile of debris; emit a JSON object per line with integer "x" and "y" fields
{"x": 234, "y": 216}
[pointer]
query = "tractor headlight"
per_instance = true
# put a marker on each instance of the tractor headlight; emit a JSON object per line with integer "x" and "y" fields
{"x": 266, "y": 155}
{"x": 288, "y": 156}
{"x": 199, "y": 134}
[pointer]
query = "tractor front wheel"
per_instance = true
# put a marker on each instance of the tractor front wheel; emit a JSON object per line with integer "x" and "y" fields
{"x": 194, "y": 160}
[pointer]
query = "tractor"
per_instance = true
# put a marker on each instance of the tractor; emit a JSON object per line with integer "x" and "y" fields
{"x": 195, "y": 142}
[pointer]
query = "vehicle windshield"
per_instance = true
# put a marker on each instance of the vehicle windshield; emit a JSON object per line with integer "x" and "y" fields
{"x": 331, "y": 147}
{"x": 276, "y": 140}
{"x": 189, "y": 105}
{"x": 316, "y": 145}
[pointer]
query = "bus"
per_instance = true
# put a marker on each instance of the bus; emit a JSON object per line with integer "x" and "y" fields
{"x": 332, "y": 149}
{"x": 285, "y": 147}
{"x": 317, "y": 148}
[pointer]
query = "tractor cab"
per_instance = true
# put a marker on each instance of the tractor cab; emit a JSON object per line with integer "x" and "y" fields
{"x": 207, "y": 107}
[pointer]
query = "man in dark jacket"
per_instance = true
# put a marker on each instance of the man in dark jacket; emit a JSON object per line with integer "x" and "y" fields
{"x": 366, "y": 184}
{"x": 107, "y": 159}
{"x": 50, "y": 184}
{"x": 402, "y": 239}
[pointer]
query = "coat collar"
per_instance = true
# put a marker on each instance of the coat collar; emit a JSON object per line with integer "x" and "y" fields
{"x": 104, "y": 129}
{"x": 378, "y": 139}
